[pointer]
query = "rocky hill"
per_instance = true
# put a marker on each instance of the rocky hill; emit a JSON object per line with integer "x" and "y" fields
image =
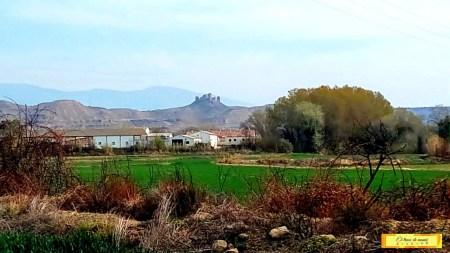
{"x": 205, "y": 111}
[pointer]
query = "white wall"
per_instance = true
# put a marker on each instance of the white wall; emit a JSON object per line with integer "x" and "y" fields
{"x": 187, "y": 142}
{"x": 206, "y": 138}
{"x": 117, "y": 141}
{"x": 214, "y": 141}
{"x": 232, "y": 141}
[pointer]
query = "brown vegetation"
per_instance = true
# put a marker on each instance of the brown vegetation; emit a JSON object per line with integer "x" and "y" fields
{"x": 31, "y": 158}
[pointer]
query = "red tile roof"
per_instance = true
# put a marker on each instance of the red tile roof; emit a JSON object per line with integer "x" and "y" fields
{"x": 224, "y": 133}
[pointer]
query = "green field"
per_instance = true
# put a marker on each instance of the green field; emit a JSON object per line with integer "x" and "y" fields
{"x": 240, "y": 179}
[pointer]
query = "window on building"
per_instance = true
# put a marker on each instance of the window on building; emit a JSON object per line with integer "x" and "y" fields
{"x": 187, "y": 142}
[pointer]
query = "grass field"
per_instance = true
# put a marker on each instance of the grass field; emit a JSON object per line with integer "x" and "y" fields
{"x": 240, "y": 179}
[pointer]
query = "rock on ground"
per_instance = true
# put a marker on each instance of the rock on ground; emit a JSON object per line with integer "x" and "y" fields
{"x": 219, "y": 246}
{"x": 279, "y": 233}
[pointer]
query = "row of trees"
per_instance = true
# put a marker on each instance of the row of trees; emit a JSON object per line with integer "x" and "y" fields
{"x": 325, "y": 118}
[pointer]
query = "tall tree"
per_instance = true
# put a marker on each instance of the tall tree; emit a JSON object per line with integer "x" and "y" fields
{"x": 301, "y": 124}
{"x": 265, "y": 127}
{"x": 343, "y": 107}
{"x": 410, "y": 129}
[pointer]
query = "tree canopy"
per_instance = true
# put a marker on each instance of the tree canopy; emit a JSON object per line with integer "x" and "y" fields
{"x": 342, "y": 108}
{"x": 299, "y": 123}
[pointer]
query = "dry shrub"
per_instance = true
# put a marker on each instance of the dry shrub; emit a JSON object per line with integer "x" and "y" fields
{"x": 80, "y": 198}
{"x": 117, "y": 194}
{"x": 437, "y": 146}
{"x": 31, "y": 157}
{"x": 350, "y": 207}
{"x": 145, "y": 208}
{"x": 184, "y": 197}
{"x": 423, "y": 202}
{"x": 322, "y": 197}
{"x": 277, "y": 197}
{"x": 15, "y": 183}
{"x": 356, "y": 214}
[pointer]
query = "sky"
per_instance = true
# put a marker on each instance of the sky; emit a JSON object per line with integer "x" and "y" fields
{"x": 248, "y": 50}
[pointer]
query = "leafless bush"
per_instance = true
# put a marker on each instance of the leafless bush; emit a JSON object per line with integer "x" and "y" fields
{"x": 420, "y": 202}
{"x": 31, "y": 156}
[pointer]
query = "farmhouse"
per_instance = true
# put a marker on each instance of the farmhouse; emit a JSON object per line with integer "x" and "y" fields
{"x": 185, "y": 141}
{"x": 101, "y": 138}
{"x": 207, "y": 138}
{"x": 235, "y": 137}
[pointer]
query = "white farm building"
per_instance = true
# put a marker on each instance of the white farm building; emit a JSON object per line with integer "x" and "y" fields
{"x": 113, "y": 138}
{"x": 207, "y": 138}
{"x": 235, "y": 137}
{"x": 185, "y": 141}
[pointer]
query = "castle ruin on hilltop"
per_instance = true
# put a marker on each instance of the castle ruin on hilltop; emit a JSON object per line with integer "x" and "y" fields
{"x": 208, "y": 97}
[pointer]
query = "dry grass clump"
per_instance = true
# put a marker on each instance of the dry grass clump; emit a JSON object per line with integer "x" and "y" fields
{"x": 162, "y": 233}
{"x": 120, "y": 231}
{"x": 231, "y": 159}
{"x": 20, "y": 204}
{"x": 14, "y": 205}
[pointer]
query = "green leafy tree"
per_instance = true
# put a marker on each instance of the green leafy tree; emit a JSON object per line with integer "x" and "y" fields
{"x": 444, "y": 128}
{"x": 299, "y": 123}
{"x": 265, "y": 127}
{"x": 410, "y": 130}
{"x": 159, "y": 144}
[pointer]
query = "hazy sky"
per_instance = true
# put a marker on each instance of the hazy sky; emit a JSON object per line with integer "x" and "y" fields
{"x": 247, "y": 50}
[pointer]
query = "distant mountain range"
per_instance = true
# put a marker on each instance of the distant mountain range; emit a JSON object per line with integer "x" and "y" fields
{"x": 157, "y": 97}
{"x": 206, "y": 111}
{"x": 425, "y": 113}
